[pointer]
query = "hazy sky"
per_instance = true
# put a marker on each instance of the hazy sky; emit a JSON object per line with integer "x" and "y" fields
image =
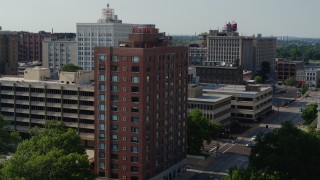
{"x": 269, "y": 17}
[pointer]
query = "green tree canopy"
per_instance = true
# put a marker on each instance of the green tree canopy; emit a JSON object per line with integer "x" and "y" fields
{"x": 287, "y": 151}
{"x": 53, "y": 152}
{"x": 258, "y": 79}
{"x": 8, "y": 140}
{"x": 304, "y": 88}
{"x": 70, "y": 68}
{"x": 200, "y": 130}
{"x": 290, "y": 82}
{"x": 310, "y": 113}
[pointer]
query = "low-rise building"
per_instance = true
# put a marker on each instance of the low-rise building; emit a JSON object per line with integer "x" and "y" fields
{"x": 28, "y": 102}
{"x": 248, "y": 102}
{"x": 286, "y": 69}
{"x": 215, "y": 107}
{"x": 309, "y": 76}
{"x": 220, "y": 74}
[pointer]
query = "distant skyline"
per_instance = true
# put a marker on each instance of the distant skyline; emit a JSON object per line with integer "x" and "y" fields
{"x": 186, "y": 17}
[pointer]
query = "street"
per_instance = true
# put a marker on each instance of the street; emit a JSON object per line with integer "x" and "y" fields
{"x": 236, "y": 154}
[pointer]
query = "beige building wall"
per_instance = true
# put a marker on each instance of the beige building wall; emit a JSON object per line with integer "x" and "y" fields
{"x": 37, "y": 73}
{"x": 56, "y": 53}
{"x": 27, "y": 103}
{"x": 246, "y": 105}
{"x": 80, "y": 77}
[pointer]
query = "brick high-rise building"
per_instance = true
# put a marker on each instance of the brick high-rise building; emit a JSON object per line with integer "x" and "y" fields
{"x": 8, "y": 53}
{"x": 141, "y": 97}
{"x": 30, "y": 46}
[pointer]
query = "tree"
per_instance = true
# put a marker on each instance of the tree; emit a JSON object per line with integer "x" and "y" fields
{"x": 290, "y": 82}
{"x": 70, "y": 68}
{"x": 258, "y": 79}
{"x": 199, "y": 130}
{"x": 8, "y": 140}
{"x": 53, "y": 152}
{"x": 287, "y": 151}
{"x": 304, "y": 88}
{"x": 310, "y": 113}
{"x": 238, "y": 173}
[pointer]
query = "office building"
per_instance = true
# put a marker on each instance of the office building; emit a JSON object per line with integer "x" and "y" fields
{"x": 58, "y": 52}
{"x": 265, "y": 51}
{"x": 141, "y": 107}
{"x": 249, "y": 103}
{"x": 286, "y": 69}
{"x": 220, "y": 75}
{"x": 8, "y": 53}
{"x": 27, "y": 102}
{"x": 227, "y": 48}
{"x": 215, "y": 107}
{"x": 108, "y": 31}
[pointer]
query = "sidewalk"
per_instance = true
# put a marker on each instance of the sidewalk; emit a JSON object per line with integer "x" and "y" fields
{"x": 196, "y": 165}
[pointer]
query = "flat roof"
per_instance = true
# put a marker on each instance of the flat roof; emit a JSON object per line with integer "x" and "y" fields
{"x": 21, "y": 79}
{"x": 49, "y": 81}
{"x": 210, "y": 98}
{"x": 230, "y": 88}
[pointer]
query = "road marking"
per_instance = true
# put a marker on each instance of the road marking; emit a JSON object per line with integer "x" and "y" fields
{"x": 216, "y": 147}
{"x": 207, "y": 172}
{"x": 229, "y": 147}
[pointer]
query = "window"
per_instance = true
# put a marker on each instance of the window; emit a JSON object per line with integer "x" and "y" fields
{"x": 102, "y": 87}
{"x": 134, "y": 129}
{"x": 135, "y": 89}
{"x": 135, "y": 59}
{"x": 102, "y": 107}
{"x": 102, "y": 57}
{"x": 114, "y": 68}
{"x": 101, "y": 165}
{"x": 134, "y": 79}
{"x": 114, "y": 78}
{"x": 102, "y": 117}
{"x": 135, "y": 69}
{"x": 134, "y": 99}
{"x": 114, "y": 156}
{"x": 134, "y": 169}
{"x": 134, "y": 159}
{"x": 114, "y": 88}
{"x": 102, "y": 97}
{"x": 114, "y": 166}
{"x": 134, "y": 149}
{"x": 114, "y": 98}
{"x": 114, "y": 59}
{"x": 134, "y": 139}
{"x": 135, "y": 109}
{"x": 114, "y": 137}
{"x": 102, "y": 77}
{"x": 102, "y": 136}
{"x": 134, "y": 119}
{"x": 102, "y": 127}
{"x": 102, "y": 155}
{"x": 102, "y": 145}
{"x": 114, "y": 108}
{"x": 102, "y": 67}
{"x": 114, "y": 147}
{"x": 114, "y": 127}
{"x": 114, "y": 117}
